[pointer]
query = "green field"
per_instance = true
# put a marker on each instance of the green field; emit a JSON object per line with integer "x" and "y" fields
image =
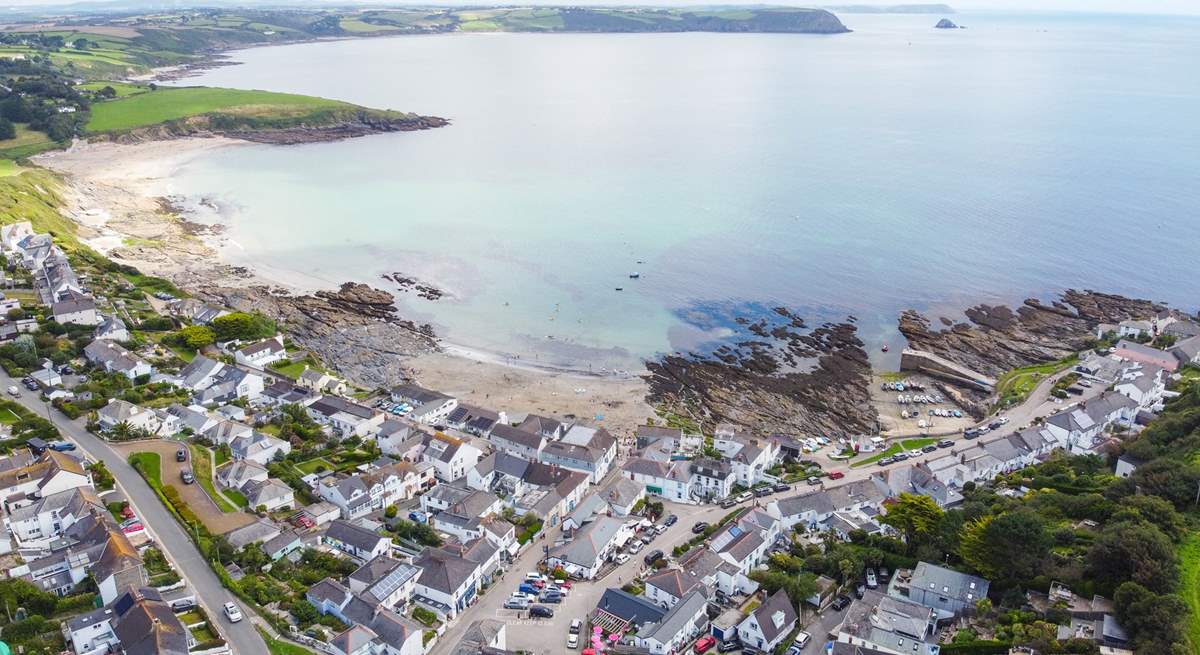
{"x": 202, "y": 469}
{"x": 172, "y": 104}
{"x": 27, "y": 142}
{"x": 7, "y": 417}
{"x": 311, "y": 465}
{"x": 907, "y": 444}
{"x": 237, "y": 497}
{"x": 1015, "y": 386}
{"x": 359, "y": 27}
{"x": 123, "y": 89}
{"x": 151, "y": 464}
{"x": 1189, "y": 569}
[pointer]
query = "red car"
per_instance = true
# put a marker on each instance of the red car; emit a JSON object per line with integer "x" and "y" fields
{"x": 836, "y": 475}
{"x": 304, "y": 522}
{"x": 130, "y": 529}
{"x": 565, "y": 584}
{"x": 704, "y": 643}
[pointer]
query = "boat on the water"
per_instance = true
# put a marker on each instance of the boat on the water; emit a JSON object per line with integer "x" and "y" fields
{"x": 634, "y": 275}
{"x": 620, "y": 288}
{"x": 884, "y": 348}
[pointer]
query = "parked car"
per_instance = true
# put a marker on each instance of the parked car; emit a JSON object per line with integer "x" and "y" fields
{"x": 744, "y": 496}
{"x": 802, "y": 639}
{"x": 704, "y": 643}
{"x": 132, "y": 528}
{"x": 622, "y": 558}
{"x": 872, "y": 583}
{"x": 576, "y": 626}
{"x": 763, "y": 491}
{"x": 661, "y": 528}
{"x": 885, "y": 461}
{"x": 527, "y": 588}
{"x": 127, "y": 512}
{"x": 187, "y": 476}
{"x": 232, "y": 612}
{"x": 516, "y": 603}
{"x": 840, "y": 603}
{"x": 945, "y": 443}
{"x": 792, "y": 650}
{"x": 14, "y": 392}
{"x": 572, "y": 641}
{"x": 635, "y": 547}
{"x": 884, "y": 574}
{"x": 305, "y": 522}
{"x": 181, "y": 455}
{"x": 653, "y": 557}
{"x": 859, "y": 591}
{"x": 418, "y": 517}
{"x": 551, "y": 597}
{"x": 541, "y": 612}
{"x": 931, "y": 448}
{"x": 62, "y": 446}
{"x": 728, "y": 646}
{"x": 699, "y": 527}
{"x": 994, "y": 425}
{"x": 728, "y": 502}
{"x": 781, "y": 487}
{"x": 813, "y": 481}
{"x": 183, "y": 604}
{"x": 648, "y": 537}
{"x": 671, "y": 520}
{"x": 1002, "y": 420}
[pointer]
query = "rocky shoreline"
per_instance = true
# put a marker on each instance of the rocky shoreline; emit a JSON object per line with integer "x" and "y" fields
{"x": 361, "y": 123}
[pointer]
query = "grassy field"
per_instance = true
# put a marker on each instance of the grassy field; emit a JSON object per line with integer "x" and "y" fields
{"x": 151, "y": 463}
{"x": 123, "y": 89}
{"x": 1015, "y": 386}
{"x": 1189, "y": 568}
{"x": 7, "y": 417}
{"x": 27, "y": 142}
{"x": 311, "y": 465}
{"x": 359, "y": 27}
{"x": 172, "y": 104}
{"x": 907, "y": 444}
{"x": 203, "y": 470}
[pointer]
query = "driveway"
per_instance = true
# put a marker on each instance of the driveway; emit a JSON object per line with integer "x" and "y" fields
{"x": 194, "y": 495}
{"x": 242, "y": 637}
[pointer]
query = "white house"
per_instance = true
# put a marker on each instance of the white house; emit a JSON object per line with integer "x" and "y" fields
{"x": 451, "y": 457}
{"x": 669, "y": 586}
{"x": 591, "y": 547}
{"x": 258, "y": 448}
{"x": 769, "y": 623}
{"x": 452, "y": 575}
{"x": 1144, "y": 384}
{"x": 114, "y": 358}
{"x": 683, "y": 623}
{"x": 346, "y": 418}
{"x": 78, "y": 310}
{"x": 36, "y": 525}
{"x": 259, "y": 355}
{"x": 357, "y": 542}
{"x": 428, "y": 407}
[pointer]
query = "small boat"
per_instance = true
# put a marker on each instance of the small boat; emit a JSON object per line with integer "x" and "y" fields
{"x": 620, "y": 288}
{"x": 884, "y": 348}
{"x": 634, "y": 275}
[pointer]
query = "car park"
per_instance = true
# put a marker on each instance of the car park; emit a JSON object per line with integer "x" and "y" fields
{"x": 232, "y": 612}
{"x": 541, "y": 612}
{"x": 704, "y": 643}
{"x": 840, "y": 603}
{"x": 699, "y": 527}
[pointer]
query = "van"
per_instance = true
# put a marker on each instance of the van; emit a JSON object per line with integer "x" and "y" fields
{"x": 14, "y": 392}
{"x": 653, "y": 557}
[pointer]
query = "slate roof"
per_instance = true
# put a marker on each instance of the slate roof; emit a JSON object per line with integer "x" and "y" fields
{"x": 673, "y": 581}
{"x": 145, "y": 625}
{"x": 678, "y": 618}
{"x": 444, "y": 571}
{"x": 775, "y": 616}
{"x": 517, "y": 436}
{"x": 349, "y": 533}
{"x": 589, "y": 542}
{"x": 817, "y": 502}
{"x": 635, "y": 609}
{"x": 949, "y": 583}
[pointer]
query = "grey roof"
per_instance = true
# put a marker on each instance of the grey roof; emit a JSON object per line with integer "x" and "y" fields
{"x": 266, "y": 345}
{"x": 329, "y": 590}
{"x": 261, "y": 492}
{"x": 329, "y": 405}
{"x": 349, "y": 533}
{"x": 673, "y": 581}
{"x": 72, "y": 305}
{"x": 394, "y": 629}
{"x": 572, "y": 452}
{"x": 73, "y": 502}
{"x": 145, "y": 625}
{"x": 354, "y": 638}
{"x": 680, "y": 616}
{"x": 654, "y": 432}
{"x": 622, "y": 492}
{"x": 589, "y": 542}
{"x": 443, "y": 570}
{"x": 949, "y": 583}
{"x": 1107, "y": 404}
{"x": 817, "y": 502}
{"x": 508, "y": 464}
{"x": 256, "y": 532}
{"x": 775, "y": 616}
{"x": 418, "y": 395}
{"x": 517, "y": 436}
{"x": 284, "y": 540}
{"x": 635, "y": 609}
{"x": 1142, "y": 350}
{"x": 199, "y": 369}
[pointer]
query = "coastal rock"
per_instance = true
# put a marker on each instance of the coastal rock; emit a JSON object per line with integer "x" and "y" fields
{"x": 355, "y": 329}
{"x": 422, "y": 289}
{"x": 794, "y": 382}
{"x": 1000, "y": 338}
{"x": 354, "y": 124}
{"x": 946, "y": 24}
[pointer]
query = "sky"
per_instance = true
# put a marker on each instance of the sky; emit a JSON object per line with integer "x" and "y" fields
{"x": 1117, "y": 6}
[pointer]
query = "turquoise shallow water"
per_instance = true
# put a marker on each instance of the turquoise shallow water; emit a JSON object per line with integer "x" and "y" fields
{"x": 897, "y": 166}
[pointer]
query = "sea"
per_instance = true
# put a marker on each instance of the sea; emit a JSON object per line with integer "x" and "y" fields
{"x": 897, "y": 166}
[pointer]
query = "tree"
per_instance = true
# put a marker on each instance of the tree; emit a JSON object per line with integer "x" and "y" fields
{"x": 1153, "y": 622}
{"x": 1171, "y": 478}
{"x": 1135, "y": 551}
{"x": 797, "y": 587}
{"x": 7, "y": 130}
{"x": 16, "y": 109}
{"x": 243, "y": 326}
{"x": 196, "y": 336}
{"x": 1156, "y": 511}
{"x": 1011, "y": 545}
{"x": 916, "y": 517}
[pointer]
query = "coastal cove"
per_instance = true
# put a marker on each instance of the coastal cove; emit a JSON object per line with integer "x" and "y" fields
{"x": 574, "y": 160}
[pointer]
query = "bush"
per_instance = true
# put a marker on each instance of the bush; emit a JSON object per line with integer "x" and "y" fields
{"x": 424, "y": 616}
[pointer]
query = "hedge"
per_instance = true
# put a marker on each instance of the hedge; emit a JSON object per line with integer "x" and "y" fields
{"x": 977, "y": 648}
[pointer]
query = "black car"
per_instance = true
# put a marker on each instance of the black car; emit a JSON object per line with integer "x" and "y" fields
{"x": 859, "y": 591}
{"x": 929, "y": 449}
{"x": 653, "y": 557}
{"x": 541, "y": 612}
{"x": 671, "y": 520}
{"x": 181, "y": 455}
{"x": 840, "y": 603}
{"x": 781, "y": 487}
{"x": 945, "y": 443}
{"x": 995, "y": 425}
{"x": 728, "y": 646}
{"x": 885, "y": 461}
{"x": 884, "y": 574}
{"x": 763, "y": 491}
{"x": 699, "y": 527}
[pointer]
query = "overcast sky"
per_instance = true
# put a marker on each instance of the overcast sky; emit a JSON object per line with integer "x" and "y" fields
{"x": 1122, "y": 6}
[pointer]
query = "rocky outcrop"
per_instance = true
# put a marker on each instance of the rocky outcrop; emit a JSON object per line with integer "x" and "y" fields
{"x": 946, "y": 24}
{"x": 354, "y": 329}
{"x": 780, "y": 378}
{"x": 999, "y": 338}
{"x": 343, "y": 126}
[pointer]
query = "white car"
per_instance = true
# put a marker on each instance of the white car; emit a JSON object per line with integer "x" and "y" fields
{"x": 636, "y": 547}
{"x": 802, "y": 639}
{"x": 622, "y": 558}
{"x": 232, "y": 613}
{"x": 1002, "y": 419}
{"x": 572, "y": 641}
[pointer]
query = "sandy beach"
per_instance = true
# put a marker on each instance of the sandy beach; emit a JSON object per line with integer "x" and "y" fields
{"x": 115, "y": 192}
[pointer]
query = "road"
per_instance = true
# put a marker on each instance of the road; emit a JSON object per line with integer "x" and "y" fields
{"x": 178, "y": 547}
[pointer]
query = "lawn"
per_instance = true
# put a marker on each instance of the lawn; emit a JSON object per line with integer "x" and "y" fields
{"x": 1015, "y": 386}
{"x": 27, "y": 142}
{"x": 290, "y": 369}
{"x": 281, "y": 647}
{"x": 150, "y": 464}
{"x": 1189, "y": 568}
{"x": 202, "y": 468}
{"x": 237, "y": 497}
{"x": 191, "y": 617}
{"x": 7, "y": 417}
{"x": 907, "y": 444}
{"x": 176, "y": 103}
{"x": 310, "y": 466}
